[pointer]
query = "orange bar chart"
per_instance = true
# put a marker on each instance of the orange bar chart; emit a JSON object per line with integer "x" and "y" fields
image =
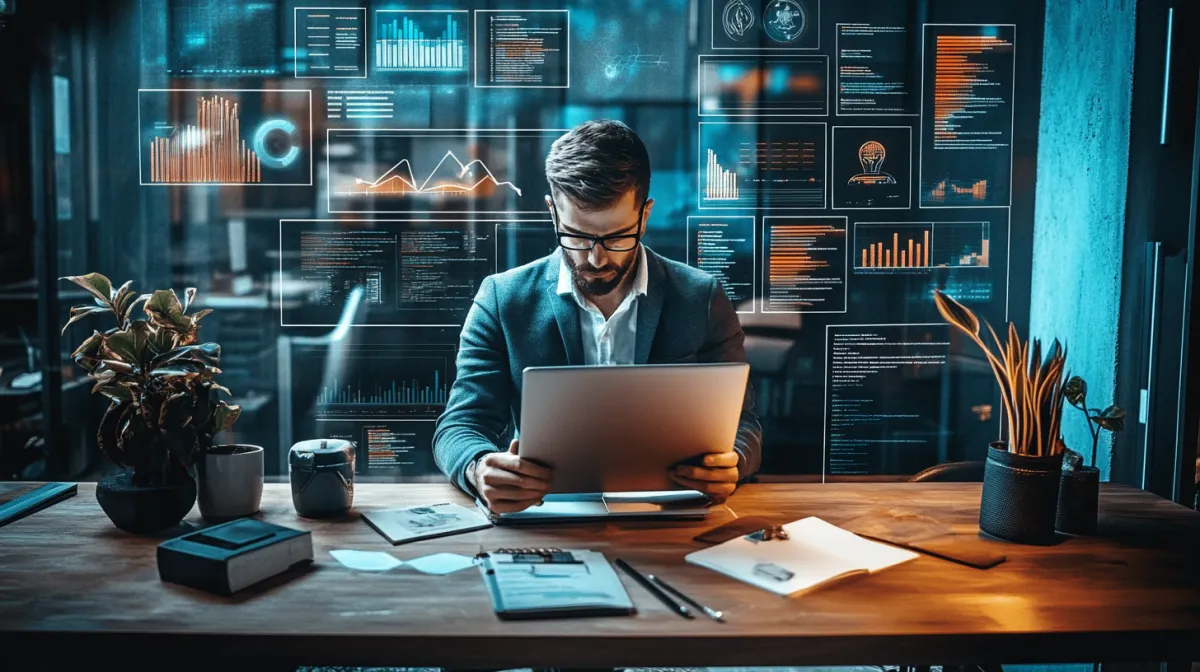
{"x": 210, "y": 150}
{"x": 921, "y": 245}
{"x": 966, "y": 152}
{"x": 805, "y": 264}
{"x": 901, "y": 246}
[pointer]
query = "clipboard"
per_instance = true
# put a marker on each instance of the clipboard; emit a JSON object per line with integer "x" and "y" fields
{"x": 533, "y": 583}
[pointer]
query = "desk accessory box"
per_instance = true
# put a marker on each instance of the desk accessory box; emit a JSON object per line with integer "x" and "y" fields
{"x": 229, "y": 557}
{"x": 321, "y": 472}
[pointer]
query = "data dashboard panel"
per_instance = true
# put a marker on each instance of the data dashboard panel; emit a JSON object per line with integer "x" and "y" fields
{"x": 831, "y": 164}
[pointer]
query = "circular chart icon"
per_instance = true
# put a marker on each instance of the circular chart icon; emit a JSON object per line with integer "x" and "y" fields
{"x": 784, "y": 20}
{"x": 737, "y": 19}
{"x": 276, "y": 144}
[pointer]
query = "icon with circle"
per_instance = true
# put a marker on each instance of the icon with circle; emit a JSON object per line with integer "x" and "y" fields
{"x": 784, "y": 20}
{"x": 870, "y": 156}
{"x": 277, "y": 144}
{"x": 737, "y": 20}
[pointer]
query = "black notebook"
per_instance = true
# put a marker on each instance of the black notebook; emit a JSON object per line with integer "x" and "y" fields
{"x": 226, "y": 558}
{"x": 18, "y": 500}
{"x": 528, "y": 583}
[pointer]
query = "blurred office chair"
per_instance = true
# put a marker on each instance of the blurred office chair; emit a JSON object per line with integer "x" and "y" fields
{"x": 779, "y": 369}
{"x": 337, "y": 342}
{"x": 772, "y": 352}
{"x": 951, "y": 472}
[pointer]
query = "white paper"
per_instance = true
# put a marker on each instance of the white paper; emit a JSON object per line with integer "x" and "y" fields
{"x": 366, "y": 561}
{"x": 424, "y": 522}
{"x": 441, "y": 563}
{"x": 815, "y": 553}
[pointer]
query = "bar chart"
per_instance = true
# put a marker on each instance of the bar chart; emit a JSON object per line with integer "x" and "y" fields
{"x": 761, "y": 166}
{"x": 923, "y": 245}
{"x": 211, "y": 150}
{"x": 395, "y": 393}
{"x": 952, "y": 191}
{"x": 385, "y": 384}
{"x": 421, "y": 42}
{"x": 224, "y": 137}
{"x": 719, "y": 184}
{"x": 968, "y": 105}
{"x": 805, "y": 264}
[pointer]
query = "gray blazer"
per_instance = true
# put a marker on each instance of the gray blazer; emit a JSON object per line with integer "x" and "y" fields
{"x": 519, "y": 320}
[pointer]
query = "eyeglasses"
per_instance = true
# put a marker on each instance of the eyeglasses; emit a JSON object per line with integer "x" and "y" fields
{"x": 625, "y": 242}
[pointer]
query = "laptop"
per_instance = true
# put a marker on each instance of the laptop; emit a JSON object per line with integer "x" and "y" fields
{"x": 612, "y": 434}
{"x": 580, "y": 507}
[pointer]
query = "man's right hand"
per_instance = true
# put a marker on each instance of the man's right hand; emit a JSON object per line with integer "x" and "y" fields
{"x": 509, "y": 484}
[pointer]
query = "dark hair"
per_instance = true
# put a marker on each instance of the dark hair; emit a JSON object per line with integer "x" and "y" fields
{"x": 596, "y": 163}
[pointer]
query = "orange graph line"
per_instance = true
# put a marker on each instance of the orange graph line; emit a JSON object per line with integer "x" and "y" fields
{"x": 392, "y": 182}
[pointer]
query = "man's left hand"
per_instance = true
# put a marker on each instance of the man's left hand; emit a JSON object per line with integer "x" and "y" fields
{"x": 717, "y": 478}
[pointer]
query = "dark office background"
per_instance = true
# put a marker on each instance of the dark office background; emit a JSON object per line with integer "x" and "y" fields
{"x": 88, "y": 85}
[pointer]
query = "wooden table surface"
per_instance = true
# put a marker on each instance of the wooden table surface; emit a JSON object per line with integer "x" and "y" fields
{"x": 70, "y": 581}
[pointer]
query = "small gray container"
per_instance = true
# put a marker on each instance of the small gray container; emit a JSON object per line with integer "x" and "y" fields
{"x": 322, "y": 476}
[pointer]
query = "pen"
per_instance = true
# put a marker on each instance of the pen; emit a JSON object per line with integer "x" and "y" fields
{"x": 653, "y": 588}
{"x": 711, "y": 613}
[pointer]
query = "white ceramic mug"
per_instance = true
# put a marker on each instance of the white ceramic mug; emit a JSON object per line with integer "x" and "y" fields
{"x": 230, "y": 481}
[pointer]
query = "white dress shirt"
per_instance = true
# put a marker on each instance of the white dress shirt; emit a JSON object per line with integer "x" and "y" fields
{"x": 611, "y": 341}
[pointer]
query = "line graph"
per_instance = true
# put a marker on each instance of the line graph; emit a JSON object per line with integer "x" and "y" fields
{"x": 464, "y": 181}
{"x": 436, "y": 170}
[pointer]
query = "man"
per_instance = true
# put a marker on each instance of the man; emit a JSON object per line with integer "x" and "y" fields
{"x": 602, "y": 298}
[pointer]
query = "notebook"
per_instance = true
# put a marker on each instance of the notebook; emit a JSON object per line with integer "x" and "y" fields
{"x": 529, "y": 583}
{"x": 815, "y": 554}
{"x": 226, "y": 558}
{"x": 414, "y": 523}
{"x": 18, "y": 500}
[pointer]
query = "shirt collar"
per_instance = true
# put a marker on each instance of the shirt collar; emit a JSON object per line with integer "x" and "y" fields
{"x": 641, "y": 277}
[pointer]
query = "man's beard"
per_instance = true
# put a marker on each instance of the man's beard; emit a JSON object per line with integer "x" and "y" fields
{"x": 594, "y": 286}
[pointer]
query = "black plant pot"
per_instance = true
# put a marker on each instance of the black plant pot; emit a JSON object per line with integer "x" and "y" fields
{"x": 144, "y": 509}
{"x": 1020, "y": 496}
{"x": 1078, "y": 495}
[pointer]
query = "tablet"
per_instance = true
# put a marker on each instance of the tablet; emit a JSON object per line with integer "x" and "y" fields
{"x": 623, "y": 428}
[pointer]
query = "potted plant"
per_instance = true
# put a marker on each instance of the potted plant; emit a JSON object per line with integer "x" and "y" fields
{"x": 164, "y": 407}
{"x": 1079, "y": 491}
{"x": 1021, "y": 476}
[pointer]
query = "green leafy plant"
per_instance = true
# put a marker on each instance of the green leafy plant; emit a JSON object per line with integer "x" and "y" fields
{"x": 164, "y": 402}
{"x": 1111, "y": 419}
{"x": 1030, "y": 385}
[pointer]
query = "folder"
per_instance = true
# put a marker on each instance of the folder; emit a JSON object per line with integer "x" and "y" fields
{"x": 531, "y": 583}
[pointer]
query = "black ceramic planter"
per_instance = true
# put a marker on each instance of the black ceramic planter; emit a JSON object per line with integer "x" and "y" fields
{"x": 1078, "y": 494}
{"x": 143, "y": 509}
{"x": 1020, "y": 496}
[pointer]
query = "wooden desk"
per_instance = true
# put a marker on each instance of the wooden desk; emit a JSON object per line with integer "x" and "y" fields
{"x": 71, "y": 582}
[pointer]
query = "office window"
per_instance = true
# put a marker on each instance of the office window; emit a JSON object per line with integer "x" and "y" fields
{"x": 337, "y": 181}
